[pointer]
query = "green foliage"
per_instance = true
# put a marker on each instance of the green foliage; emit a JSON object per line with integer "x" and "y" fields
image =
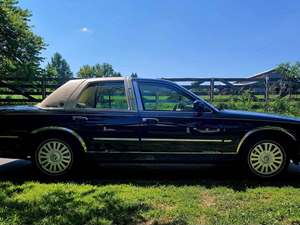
{"x": 290, "y": 73}
{"x": 19, "y": 47}
{"x": 58, "y": 68}
{"x": 98, "y": 70}
{"x": 285, "y": 106}
{"x": 280, "y": 105}
{"x": 86, "y": 71}
{"x": 245, "y": 101}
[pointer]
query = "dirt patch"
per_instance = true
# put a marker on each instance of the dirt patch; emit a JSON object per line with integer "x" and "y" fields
{"x": 207, "y": 200}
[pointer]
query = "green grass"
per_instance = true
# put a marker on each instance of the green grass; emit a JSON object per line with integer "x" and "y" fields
{"x": 164, "y": 204}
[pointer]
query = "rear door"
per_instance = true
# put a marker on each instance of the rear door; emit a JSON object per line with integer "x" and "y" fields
{"x": 105, "y": 117}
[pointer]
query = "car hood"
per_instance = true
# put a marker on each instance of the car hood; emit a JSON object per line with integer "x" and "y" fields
{"x": 237, "y": 114}
{"x": 18, "y": 108}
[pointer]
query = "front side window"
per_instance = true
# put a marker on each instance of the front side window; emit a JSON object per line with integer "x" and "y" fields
{"x": 156, "y": 97}
{"x": 104, "y": 95}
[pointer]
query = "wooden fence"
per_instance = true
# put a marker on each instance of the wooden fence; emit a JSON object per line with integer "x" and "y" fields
{"x": 227, "y": 86}
{"x": 21, "y": 91}
{"x": 18, "y": 91}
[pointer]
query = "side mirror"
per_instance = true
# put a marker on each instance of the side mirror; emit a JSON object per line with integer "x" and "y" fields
{"x": 198, "y": 106}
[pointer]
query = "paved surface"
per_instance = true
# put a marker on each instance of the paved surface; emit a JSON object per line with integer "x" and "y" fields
{"x": 9, "y": 166}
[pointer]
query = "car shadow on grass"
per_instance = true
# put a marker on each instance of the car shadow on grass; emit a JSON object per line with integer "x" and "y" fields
{"x": 209, "y": 176}
{"x": 67, "y": 207}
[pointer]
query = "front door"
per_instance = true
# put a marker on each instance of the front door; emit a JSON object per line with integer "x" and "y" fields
{"x": 171, "y": 126}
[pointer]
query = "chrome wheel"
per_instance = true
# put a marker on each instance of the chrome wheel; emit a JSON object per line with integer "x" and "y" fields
{"x": 266, "y": 158}
{"x": 54, "y": 157}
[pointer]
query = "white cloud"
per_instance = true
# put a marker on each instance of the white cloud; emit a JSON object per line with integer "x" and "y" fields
{"x": 85, "y": 29}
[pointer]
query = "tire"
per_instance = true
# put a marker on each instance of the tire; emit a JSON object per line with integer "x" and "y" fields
{"x": 267, "y": 158}
{"x": 54, "y": 157}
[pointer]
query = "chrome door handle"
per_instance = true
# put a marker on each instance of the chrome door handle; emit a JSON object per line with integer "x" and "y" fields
{"x": 82, "y": 118}
{"x": 150, "y": 120}
{"x": 105, "y": 129}
{"x": 207, "y": 130}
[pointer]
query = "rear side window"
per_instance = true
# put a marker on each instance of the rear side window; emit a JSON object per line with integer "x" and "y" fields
{"x": 104, "y": 95}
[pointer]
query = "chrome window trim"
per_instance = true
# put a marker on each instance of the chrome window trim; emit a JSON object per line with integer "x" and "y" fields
{"x": 96, "y": 111}
{"x": 79, "y": 138}
{"x": 261, "y": 129}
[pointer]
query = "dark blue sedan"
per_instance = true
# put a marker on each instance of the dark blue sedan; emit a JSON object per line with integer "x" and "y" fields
{"x": 132, "y": 120}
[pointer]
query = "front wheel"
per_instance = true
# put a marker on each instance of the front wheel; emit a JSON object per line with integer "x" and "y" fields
{"x": 54, "y": 157}
{"x": 267, "y": 159}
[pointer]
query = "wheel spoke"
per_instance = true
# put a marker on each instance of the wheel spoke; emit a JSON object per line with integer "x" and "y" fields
{"x": 44, "y": 162}
{"x": 47, "y": 148}
{"x": 63, "y": 165}
{"x": 59, "y": 167}
{"x": 261, "y": 149}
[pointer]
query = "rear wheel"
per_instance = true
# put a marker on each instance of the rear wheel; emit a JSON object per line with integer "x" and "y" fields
{"x": 267, "y": 158}
{"x": 54, "y": 157}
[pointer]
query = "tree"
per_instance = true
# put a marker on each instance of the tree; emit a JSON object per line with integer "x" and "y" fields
{"x": 20, "y": 48}
{"x": 290, "y": 73}
{"x": 59, "y": 68}
{"x": 134, "y": 75}
{"x": 86, "y": 71}
{"x": 99, "y": 70}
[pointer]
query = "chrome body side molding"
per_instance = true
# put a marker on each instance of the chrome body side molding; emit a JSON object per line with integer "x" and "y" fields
{"x": 67, "y": 130}
{"x": 271, "y": 128}
{"x": 161, "y": 139}
{"x": 9, "y": 137}
{"x": 158, "y": 153}
{"x": 181, "y": 140}
{"x": 115, "y": 139}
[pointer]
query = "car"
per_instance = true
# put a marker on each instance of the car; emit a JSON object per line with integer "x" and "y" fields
{"x": 135, "y": 120}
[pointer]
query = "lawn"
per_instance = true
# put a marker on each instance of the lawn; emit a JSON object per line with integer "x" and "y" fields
{"x": 163, "y": 198}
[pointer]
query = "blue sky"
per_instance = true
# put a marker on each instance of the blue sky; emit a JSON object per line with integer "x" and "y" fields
{"x": 171, "y": 38}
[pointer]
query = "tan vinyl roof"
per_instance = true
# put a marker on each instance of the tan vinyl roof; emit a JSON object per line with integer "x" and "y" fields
{"x": 61, "y": 95}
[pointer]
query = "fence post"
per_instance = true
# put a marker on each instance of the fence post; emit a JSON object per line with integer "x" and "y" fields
{"x": 211, "y": 90}
{"x": 266, "y": 90}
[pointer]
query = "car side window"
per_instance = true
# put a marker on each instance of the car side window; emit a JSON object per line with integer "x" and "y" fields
{"x": 104, "y": 95}
{"x": 157, "y": 97}
{"x": 87, "y": 98}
